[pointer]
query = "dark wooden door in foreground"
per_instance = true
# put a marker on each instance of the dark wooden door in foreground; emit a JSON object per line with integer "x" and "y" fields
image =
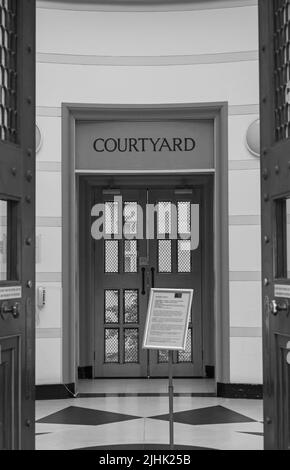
{"x": 17, "y": 225}
{"x": 146, "y": 244}
{"x": 275, "y": 182}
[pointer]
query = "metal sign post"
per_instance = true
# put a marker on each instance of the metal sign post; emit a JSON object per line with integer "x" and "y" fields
{"x": 171, "y": 396}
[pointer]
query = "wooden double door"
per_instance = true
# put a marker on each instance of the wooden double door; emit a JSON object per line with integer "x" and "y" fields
{"x": 151, "y": 238}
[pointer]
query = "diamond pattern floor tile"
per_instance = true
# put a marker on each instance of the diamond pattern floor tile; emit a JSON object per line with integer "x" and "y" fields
{"x": 85, "y": 416}
{"x": 209, "y": 415}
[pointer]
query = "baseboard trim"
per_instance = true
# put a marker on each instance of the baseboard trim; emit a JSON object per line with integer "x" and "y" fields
{"x": 85, "y": 372}
{"x": 55, "y": 391}
{"x": 250, "y": 391}
{"x": 140, "y": 394}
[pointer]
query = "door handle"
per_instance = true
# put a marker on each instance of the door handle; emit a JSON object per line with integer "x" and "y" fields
{"x": 279, "y": 306}
{"x": 152, "y": 277}
{"x": 143, "y": 292}
{"x": 6, "y": 310}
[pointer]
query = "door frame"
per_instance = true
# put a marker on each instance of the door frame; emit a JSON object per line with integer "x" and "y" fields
{"x": 73, "y": 113}
{"x": 87, "y": 279}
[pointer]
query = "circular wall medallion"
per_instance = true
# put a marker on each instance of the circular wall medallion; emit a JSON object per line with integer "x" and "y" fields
{"x": 253, "y": 138}
{"x": 38, "y": 139}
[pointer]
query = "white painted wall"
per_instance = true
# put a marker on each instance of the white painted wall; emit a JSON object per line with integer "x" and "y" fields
{"x": 148, "y": 57}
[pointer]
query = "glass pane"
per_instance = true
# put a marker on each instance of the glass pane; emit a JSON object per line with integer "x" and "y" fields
{"x": 184, "y": 256}
{"x": 186, "y": 356}
{"x": 164, "y": 218}
{"x": 130, "y": 256}
{"x": 111, "y": 345}
{"x": 131, "y": 337}
{"x": 183, "y": 208}
{"x": 9, "y": 71}
{"x": 131, "y": 306}
{"x": 111, "y": 306}
{"x": 3, "y": 240}
{"x": 163, "y": 356}
{"x": 111, "y": 256}
{"x": 282, "y": 239}
{"x": 111, "y": 218}
{"x": 288, "y": 236}
{"x": 164, "y": 256}
{"x": 281, "y": 16}
{"x": 130, "y": 218}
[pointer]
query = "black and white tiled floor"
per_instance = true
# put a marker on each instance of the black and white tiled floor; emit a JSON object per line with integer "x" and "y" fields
{"x": 142, "y": 422}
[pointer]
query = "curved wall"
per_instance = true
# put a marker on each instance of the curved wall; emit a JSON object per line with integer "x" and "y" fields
{"x": 206, "y": 53}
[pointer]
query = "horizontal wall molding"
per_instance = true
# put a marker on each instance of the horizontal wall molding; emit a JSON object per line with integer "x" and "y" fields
{"x": 48, "y": 166}
{"x": 48, "y": 221}
{"x": 165, "y": 60}
{"x": 48, "y": 333}
{"x": 40, "y": 221}
{"x": 48, "y": 277}
{"x": 245, "y": 332}
{"x": 245, "y": 220}
{"x": 243, "y": 109}
{"x": 245, "y": 276}
{"x": 233, "y": 110}
{"x": 48, "y": 111}
{"x": 233, "y": 220}
{"x": 143, "y": 5}
{"x": 244, "y": 164}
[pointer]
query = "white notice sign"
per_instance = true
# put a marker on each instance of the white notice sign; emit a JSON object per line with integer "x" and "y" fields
{"x": 167, "y": 319}
{"x": 282, "y": 290}
{"x": 10, "y": 292}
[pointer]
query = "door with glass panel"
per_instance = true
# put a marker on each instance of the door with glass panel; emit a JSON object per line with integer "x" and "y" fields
{"x": 17, "y": 223}
{"x": 149, "y": 238}
{"x": 175, "y": 262}
{"x": 121, "y": 299}
{"x": 275, "y": 191}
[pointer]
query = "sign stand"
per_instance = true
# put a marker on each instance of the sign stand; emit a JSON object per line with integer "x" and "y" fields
{"x": 171, "y": 396}
{"x": 166, "y": 329}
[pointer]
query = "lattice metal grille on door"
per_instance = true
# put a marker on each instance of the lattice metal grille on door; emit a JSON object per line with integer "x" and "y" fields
{"x": 8, "y": 71}
{"x": 130, "y": 256}
{"x": 131, "y": 306}
{"x": 184, "y": 256}
{"x": 111, "y": 306}
{"x": 131, "y": 342}
{"x": 282, "y": 68}
{"x": 111, "y": 345}
{"x": 111, "y": 256}
{"x": 186, "y": 356}
{"x": 164, "y": 256}
{"x": 163, "y": 356}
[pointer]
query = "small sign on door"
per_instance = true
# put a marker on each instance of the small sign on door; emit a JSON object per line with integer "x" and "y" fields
{"x": 10, "y": 292}
{"x": 282, "y": 290}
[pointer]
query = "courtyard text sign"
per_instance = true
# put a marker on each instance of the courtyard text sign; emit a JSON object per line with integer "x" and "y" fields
{"x": 144, "y": 144}
{"x": 153, "y": 146}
